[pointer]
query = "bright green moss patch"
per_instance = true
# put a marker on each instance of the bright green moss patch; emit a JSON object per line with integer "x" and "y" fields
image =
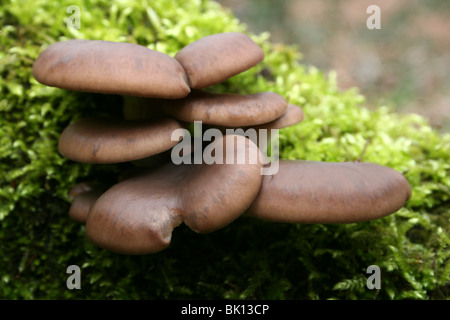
{"x": 248, "y": 259}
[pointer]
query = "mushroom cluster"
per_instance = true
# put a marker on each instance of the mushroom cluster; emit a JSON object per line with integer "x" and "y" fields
{"x": 162, "y": 94}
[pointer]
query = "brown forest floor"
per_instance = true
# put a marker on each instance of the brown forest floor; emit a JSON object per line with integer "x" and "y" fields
{"x": 405, "y": 64}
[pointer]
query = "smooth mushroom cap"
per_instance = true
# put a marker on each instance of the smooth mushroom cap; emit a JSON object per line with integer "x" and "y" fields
{"x": 215, "y": 58}
{"x": 110, "y": 140}
{"x": 80, "y": 188}
{"x": 321, "y": 192}
{"x": 227, "y": 109}
{"x": 83, "y": 201}
{"x": 137, "y": 215}
{"x": 111, "y": 67}
{"x": 292, "y": 116}
{"x": 219, "y": 193}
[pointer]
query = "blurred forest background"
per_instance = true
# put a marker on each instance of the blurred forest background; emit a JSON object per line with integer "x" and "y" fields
{"x": 405, "y": 64}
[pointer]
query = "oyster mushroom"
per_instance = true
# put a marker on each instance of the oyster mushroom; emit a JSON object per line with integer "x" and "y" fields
{"x": 215, "y": 58}
{"x": 227, "y": 109}
{"x": 111, "y": 140}
{"x": 83, "y": 197}
{"x": 138, "y": 215}
{"x": 292, "y": 116}
{"x": 111, "y": 67}
{"x": 327, "y": 192}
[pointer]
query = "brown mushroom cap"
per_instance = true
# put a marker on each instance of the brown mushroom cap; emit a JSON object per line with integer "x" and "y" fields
{"x": 227, "y": 109}
{"x": 137, "y": 215}
{"x": 80, "y": 188}
{"x": 321, "y": 192}
{"x": 292, "y": 116}
{"x": 84, "y": 196}
{"x": 214, "y": 59}
{"x": 111, "y": 67}
{"x": 109, "y": 140}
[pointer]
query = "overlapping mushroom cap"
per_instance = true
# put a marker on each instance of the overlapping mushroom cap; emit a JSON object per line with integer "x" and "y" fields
{"x": 215, "y": 58}
{"x": 329, "y": 192}
{"x": 292, "y": 116}
{"x": 111, "y": 67}
{"x": 111, "y": 140}
{"x": 137, "y": 215}
{"x": 228, "y": 109}
{"x": 83, "y": 196}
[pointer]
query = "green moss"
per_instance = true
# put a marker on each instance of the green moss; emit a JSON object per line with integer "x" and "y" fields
{"x": 248, "y": 259}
